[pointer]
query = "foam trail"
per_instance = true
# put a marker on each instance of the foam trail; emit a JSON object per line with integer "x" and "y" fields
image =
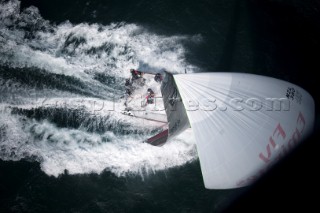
{"x": 44, "y": 66}
{"x": 81, "y": 49}
{"x": 79, "y": 152}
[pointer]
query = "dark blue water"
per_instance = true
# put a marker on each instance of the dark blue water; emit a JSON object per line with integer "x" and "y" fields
{"x": 56, "y": 56}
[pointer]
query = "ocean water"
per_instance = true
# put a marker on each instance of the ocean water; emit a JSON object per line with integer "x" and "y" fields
{"x": 62, "y": 61}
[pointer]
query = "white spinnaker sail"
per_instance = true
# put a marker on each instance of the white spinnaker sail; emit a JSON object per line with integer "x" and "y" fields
{"x": 243, "y": 123}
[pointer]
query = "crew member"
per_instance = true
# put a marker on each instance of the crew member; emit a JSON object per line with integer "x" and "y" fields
{"x": 150, "y": 96}
{"x": 136, "y": 74}
{"x": 158, "y": 77}
{"x": 128, "y": 86}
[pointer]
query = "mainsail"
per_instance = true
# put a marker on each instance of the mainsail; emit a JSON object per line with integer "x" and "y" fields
{"x": 242, "y": 123}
